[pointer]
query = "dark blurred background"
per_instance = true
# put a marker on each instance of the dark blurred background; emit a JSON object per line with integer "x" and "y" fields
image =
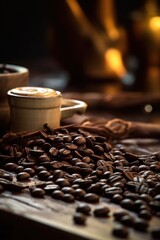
{"x": 85, "y": 45}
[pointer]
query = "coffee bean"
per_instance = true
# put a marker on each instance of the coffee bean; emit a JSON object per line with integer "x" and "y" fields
{"x": 109, "y": 192}
{"x": 43, "y": 175}
{"x": 1, "y": 188}
{"x": 57, "y": 174}
{"x": 79, "y": 140}
{"x": 53, "y": 151}
{"x": 19, "y": 169}
{"x": 79, "y": 218}
{"x": 91, "y": 198}
{"x": 22, "y": 176}
{"x": 62, "y": 182}
{"x": 51, "y": 188}
{"x": 145, "y": 214}
{"x": 117, "y": 198}
{"x": 37, "y": 192}
{"x": 31, "y": 171}
{"x": 79, "y": 193}
{"x": 67, "y": 197}
{"x": 119, "y": 214}
{"x": 64, "y": 152}
{"x": 127, "y": 220}
{"x": 69, "y": 190}
{"x": 10, "y": 166}
{"x": 36, "y": 152}
{"x": 101, "y": 211}
{"x": 127, "y": 203}
{"x": 155, "y": 233}
{"x": 140, "y": 225}
{"x": 157, "y": 197}
{"x": 120, "y": 231}
{"x": 57, "y": 194}
{"x": 83, "y": 208}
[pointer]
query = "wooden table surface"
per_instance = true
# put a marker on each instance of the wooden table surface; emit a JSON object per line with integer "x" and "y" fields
{"x": 24, "y": 217}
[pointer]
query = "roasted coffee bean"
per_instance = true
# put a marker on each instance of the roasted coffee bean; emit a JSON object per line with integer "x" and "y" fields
{"x": 51, "y": 188}
{"x": 19, "y": 169}
{"x": 83, "y": 208}
{"x": 69, "y": 190}
{"x": 109, "y": 192}
{"x": 117, "y": 198}
{"x": 91, "y": 198}
{"x": 106, "y": 174}
{"x": 67, "y": 138}
{"x": 7, "y": 176}
{"x": 101, "y": 211}
{"x": 67, "y": 197}
{"x": 127, "y": 203}
{"x": 146, "y": 197}
{"x": 157, "y": 197}
{"x": 79, "y": 193}
{"x": 140, "y": 224}
{"x": 95, "y": 188}
{"x": 138, "y": 203}
{"x": 79, "y": 218}
{"x": 39, "y": 142}
{"x": 1, "y": 188}
{"x": 64, "y": 152}
{"x": 71, "y": 146}
{"x": 36, "y": 152}
{"x": 43, "y": 175}
{"x": 155, "y": 233}
{"x": 120, "y": 231}
{"x": 46, "y": 147}
{"x": 10, "y": 166}
{"x": 57, "y": 194}
{"x": 57, "y": 174}
{"x": 40, "y": 168}
{"x": 79, "y": 140}
{"x": 53, "y": 151}
{"x": 145, "y": 214}
{"x": 86, "y": 159}
{"x": 22, "y": 176}
{"x": 62, "y": 182}
{"x": 98, "y": 149}
{"x": 37, "y": 192}
{"x": 157, "y": 187}
{"x": 83, "y": 183}
{"x": 44, "y": 158}
{"x": 31, "y": 171}
{"x": 133, "y": 196}
{"x": 119, "y": 214}
{"x": 127, "y": 220}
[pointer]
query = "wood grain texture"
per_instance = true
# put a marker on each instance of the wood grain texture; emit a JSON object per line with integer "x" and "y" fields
{"x": 45, "y": 218}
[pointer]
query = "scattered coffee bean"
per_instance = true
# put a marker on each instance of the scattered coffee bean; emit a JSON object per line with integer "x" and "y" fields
{"x": 57, "y": 194}
{"x": 140, "y": 224}
{"x": 79, "y": 218}
{"x": 120, "y": 231}
{"x": 91, "y": 198}
{"x": 37, "y": 192}
{"x": 101, "y": 211}
{"x": 83, "y": 208}
{"x": 22, "y": 176}
{"x": 155, "y": 233}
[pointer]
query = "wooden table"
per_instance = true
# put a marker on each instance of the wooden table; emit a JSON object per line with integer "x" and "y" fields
{"x": 24, "y": 217}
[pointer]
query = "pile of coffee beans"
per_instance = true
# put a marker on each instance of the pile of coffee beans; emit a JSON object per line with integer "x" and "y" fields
{"x": 71, "y": 165}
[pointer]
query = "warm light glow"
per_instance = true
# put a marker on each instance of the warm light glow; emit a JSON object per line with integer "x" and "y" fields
{"x": 154, "y": 24}
{"x": 114, "y": 62}
{"x": 148, "y": 108}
